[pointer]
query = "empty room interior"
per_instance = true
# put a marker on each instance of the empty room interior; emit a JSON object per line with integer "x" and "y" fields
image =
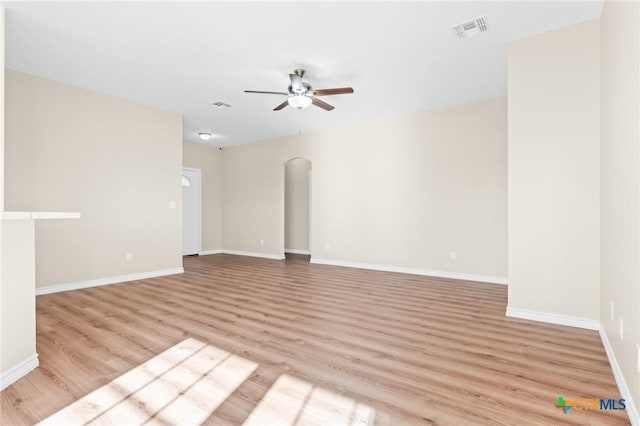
{"x": 320, "y": 213}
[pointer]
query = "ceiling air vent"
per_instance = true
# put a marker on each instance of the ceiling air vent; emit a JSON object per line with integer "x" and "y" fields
{"x": 473, "y": 27}
{"x": 219, "y": 104}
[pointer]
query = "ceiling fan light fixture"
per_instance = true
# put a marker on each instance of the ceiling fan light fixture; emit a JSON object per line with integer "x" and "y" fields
{"x": 300, "y": 101}
{"x": 205, "y": 136}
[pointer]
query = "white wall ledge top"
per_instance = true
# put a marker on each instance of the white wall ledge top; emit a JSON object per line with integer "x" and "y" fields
{"x": 38, "y": 215}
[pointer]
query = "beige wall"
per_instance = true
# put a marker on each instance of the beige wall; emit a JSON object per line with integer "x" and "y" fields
{"x": 117, "y": 162}
{"x": 208, "y": 160}
{"x": 404, "y": 191}
{"x": 296, "y": 188}
{"x": 18, "y": 297}
{"x": 554, "y": 172}
{"x": 17, "y": 272}
{"x": 620, "y": 187}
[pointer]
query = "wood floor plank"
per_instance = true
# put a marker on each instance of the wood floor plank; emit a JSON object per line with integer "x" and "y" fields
{"x": 416, "y": 350}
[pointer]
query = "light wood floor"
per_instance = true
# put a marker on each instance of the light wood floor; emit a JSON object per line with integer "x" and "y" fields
{"x": 415, "y": 350}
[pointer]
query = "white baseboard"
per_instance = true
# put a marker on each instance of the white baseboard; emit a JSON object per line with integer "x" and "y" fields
{"x": 106, "y": 281}
{"x": 12, "y": 375}
{"x": 570, "y": 321}
{"x": 242, "y": 253}
{"x": 415, "y": 271}
{"x": 254, "y": 254}
{"x": 208, "y": 252}
{"x": 632, "y": 410}
{"x": 296, "y": 251}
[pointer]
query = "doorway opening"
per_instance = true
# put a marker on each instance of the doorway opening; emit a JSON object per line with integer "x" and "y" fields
{"x": 190, "y": 211}
{"x": 297, "y": 209}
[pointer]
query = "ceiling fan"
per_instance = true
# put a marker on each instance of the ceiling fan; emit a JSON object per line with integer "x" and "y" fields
{"x": 301, "y": 95}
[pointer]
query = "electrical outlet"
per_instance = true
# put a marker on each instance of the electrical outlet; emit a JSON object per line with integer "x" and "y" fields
{"x": 453, "y": 255}
{"x": 638, "y": 359}
{"x": 262, "y": 242}
{"x": 327, "y": 247}
{"x": 128, "y": 257}
{"x": 621, "y": 328}
{"x": 613, "y": 310}
{"x": 172, "y": 205}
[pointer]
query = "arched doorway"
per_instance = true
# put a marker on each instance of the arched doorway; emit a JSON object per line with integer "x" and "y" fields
{"x": 297, "y": 206}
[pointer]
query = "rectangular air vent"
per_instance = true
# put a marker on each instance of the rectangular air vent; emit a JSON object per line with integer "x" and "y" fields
{"x": 472, "y": 27}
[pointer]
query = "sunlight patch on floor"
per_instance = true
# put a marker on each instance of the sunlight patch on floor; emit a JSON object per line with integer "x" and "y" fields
{"x": 291, "y": 401}
{"x": 183, "y": 385}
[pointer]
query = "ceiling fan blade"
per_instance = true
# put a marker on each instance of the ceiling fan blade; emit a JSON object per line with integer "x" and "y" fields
{"x": 296, "y": 83}
{"x": 282, "y": 105}
{"x": 266, "y": 93}
{"x": 336, "y": 91}
{"x": 322, "y": 104}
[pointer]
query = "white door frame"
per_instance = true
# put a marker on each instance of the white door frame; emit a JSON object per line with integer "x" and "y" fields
{"x": 199, "y": 207}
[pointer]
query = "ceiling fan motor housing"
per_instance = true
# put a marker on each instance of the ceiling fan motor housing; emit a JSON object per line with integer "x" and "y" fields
{"x": 301, "y": 95}
{"x": 308, "y": 90}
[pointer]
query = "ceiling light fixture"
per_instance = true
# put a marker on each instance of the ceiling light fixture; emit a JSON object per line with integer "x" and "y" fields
{"x": 300, "y": 101}
{"x": 205, "y": 136}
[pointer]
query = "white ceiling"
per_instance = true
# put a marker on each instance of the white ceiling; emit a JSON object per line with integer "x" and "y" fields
{"x": 398, "y": 57}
